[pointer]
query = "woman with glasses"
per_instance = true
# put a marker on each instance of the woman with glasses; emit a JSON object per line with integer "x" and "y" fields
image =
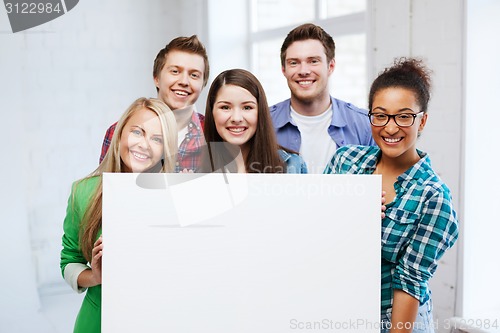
{"x": 420, "y": 223}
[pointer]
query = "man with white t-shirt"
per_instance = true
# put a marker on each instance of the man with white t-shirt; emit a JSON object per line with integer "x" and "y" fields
{"x": 312, "y": 122}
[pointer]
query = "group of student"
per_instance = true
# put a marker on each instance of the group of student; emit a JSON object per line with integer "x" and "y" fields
{"x": 312, "y": 131}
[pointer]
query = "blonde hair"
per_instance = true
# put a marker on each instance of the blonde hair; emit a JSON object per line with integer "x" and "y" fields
{"x": 92, "y": 219}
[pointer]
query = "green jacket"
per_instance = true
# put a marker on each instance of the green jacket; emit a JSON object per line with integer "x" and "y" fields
{"x": 89, "y": 317}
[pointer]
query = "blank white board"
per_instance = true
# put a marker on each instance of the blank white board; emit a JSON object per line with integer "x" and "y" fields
{"x": 241, "y": 253}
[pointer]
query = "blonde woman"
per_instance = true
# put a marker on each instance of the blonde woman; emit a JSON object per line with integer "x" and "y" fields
{"x": 146, "y": 142}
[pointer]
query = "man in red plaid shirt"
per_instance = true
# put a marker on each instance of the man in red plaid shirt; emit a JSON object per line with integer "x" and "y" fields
{"x": 180, "y": 72}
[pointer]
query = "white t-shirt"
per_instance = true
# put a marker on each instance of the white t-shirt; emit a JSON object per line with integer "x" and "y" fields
{"x": 317, "y": 147}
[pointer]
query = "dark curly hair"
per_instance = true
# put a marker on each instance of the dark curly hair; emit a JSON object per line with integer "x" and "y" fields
{"x": 408, "y": 73}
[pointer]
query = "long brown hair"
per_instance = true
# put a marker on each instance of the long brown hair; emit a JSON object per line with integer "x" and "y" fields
{"x": 263, "y": 156}
{"x": 92, "y": 220}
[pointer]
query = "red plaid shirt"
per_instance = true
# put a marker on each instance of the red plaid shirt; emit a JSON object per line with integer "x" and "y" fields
{"x": 189, "y": 153}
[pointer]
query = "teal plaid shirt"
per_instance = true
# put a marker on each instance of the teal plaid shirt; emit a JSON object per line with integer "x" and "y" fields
{"x": 419, "y": 226}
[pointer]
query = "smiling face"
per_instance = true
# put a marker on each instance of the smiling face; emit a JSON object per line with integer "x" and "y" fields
{"x": 397, "y": 142}
{"x": 141, "y": 141}
{"x": 181, "y": 79}
{"x": 307, "y": 71}
{"x": 235, "y": 113}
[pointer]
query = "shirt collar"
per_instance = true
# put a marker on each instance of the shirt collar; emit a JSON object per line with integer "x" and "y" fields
{"x": 284, "y": 118}
{"x": 415, "y": 171}
{"x": 284, "y": 155}
{"x": 338, "y": 117}
{"x": 371, "y": 160}
{"x": 194, "y": 124}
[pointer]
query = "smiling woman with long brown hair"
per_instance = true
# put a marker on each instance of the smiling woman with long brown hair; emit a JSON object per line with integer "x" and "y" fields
{"x": 237, "y": 117}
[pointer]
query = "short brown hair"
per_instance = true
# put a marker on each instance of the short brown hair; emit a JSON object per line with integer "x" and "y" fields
{"x": 186, "y": 44}
{"x": 308, "y": 31}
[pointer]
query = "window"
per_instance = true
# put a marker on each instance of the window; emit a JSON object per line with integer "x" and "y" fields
{"x": 334, "y": 8}
{"x": 271, "y": 14}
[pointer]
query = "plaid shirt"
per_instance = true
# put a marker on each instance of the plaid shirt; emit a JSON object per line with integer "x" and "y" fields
{"x": 189, "y": 153}
{"x": 420, "y": 223}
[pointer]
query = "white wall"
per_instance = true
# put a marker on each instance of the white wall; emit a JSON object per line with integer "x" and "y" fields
{"x": 433, "y": 30}
{"x": 18, "y": 291}
{"x": 62, "y": 84}
{"x": 227, "y": 36}
{"x": 481, "y": 267}
{"x": 194, "y": 21}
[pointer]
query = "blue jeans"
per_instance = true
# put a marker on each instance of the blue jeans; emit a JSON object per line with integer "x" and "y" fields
{"x": 423, "y": 322}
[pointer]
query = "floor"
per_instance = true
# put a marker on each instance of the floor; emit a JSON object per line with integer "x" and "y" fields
{"x": 60, "y": 310}
{"x": 59, "y": 306}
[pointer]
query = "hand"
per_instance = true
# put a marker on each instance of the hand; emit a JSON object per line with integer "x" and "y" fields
{"x": 383, "y": 208}
{"x": 186, "y": 171}
{"x": 96, "y": 262}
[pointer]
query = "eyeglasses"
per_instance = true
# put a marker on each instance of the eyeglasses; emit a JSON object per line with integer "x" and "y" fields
{"x": 379, "y": 119}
